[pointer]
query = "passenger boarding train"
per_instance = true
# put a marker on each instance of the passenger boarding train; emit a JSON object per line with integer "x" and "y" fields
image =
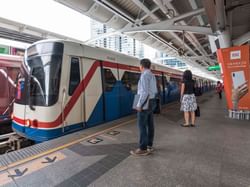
{"x": 70, "y": 86}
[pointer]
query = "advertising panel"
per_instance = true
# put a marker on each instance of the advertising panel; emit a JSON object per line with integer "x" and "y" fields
{"x": 236, "y": 76}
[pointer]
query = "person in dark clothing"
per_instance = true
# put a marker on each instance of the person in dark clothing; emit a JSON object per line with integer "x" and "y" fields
{"x": 188, "y": 100}
{"x": 219, "y": 88}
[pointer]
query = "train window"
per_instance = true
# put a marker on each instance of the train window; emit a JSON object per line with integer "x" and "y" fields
{"x": 130, "y": 80}
{"x": 125, "y": 80}
{"x": 109, "y": 80}
{"x": 134, "y": 78}
{"x": 175, "y": 82}
{"x": 165, "y": 80}
{"x": 74, "y": 75}
{"x": 159, "y": 83}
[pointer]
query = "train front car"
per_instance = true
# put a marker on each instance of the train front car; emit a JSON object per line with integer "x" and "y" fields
{"x": 37, "y": 109}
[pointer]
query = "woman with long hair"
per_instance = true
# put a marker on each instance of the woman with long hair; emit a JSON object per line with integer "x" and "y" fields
{"x": 188, "y": 100}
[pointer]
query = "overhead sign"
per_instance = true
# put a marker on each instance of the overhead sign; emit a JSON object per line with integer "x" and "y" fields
{"x": 213, "y": 68}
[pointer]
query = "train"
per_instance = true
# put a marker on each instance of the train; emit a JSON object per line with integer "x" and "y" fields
{"x": 70, "y": 86}
{"x": 10, "y": 66}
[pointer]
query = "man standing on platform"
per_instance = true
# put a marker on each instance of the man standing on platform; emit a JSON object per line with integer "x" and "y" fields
{"x": 147, "y": 90}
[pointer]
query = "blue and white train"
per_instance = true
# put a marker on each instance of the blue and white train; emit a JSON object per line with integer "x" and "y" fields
{"x": 69, "y": 86}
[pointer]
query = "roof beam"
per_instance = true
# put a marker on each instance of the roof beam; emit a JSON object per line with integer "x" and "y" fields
{"x": 200, "y": 20}
{"x": 169, "y": 25}
{"x": 164, "y": 6}
{"x": 242, "y": 39}
{"x": 190, "y": 36}
{"x": 133, "y": 21}
{"x": 145, "y": 9}
{"x": 161, "y": 26}
{"x": 194, "y": 6}
{"x": 116, "y": 10}
{"x": 220, "y": 15}
{"x": 150, "y": 13}
{"x": 166, "y": 10}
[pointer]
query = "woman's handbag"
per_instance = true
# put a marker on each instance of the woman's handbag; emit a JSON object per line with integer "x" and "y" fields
{"x": 197, "y": 112}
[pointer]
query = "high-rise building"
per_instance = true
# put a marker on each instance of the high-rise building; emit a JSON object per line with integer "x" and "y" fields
{"x": 123, "y": 44}
{"x": 129, "y": 46}
{"x": 173, "y": 62}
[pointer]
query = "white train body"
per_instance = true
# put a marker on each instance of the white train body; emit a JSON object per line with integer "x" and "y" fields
{"x": 71, "y": 86}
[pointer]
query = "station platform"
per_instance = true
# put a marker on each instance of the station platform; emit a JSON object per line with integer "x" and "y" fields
{"x": 214, "y": 153}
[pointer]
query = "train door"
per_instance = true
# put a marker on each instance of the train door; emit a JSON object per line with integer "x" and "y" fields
{"x": 93, "y": 92}
{"x": 111, "y": 91}
{"x": 167, "y": 89}
{"x": 73, "y": 96}
{"x": 174, "y": 88}
{"x": 4, "y": 91}
{"x": 128, "y": 89}
{"x": 160, "y": 94}
{"x": 12, "y": 78}
{"x": 21, "y": 99}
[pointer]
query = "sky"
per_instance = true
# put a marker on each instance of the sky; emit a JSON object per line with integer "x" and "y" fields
{"x": 49, "y": 15}
{"x": 52, "y": 16}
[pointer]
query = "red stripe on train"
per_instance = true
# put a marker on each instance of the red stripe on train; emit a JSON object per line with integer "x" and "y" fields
{"x": 80, "y": 88}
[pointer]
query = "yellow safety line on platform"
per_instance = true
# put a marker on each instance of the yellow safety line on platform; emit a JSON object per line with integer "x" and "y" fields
{"x": 31, "y": 166}
{"x": 61, "y": 147}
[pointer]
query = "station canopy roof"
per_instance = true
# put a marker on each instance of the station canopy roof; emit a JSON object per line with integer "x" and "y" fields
{"x": 190, "y": 30}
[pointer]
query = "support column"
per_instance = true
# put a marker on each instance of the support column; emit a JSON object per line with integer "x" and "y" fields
{"x": 225, "y": 39}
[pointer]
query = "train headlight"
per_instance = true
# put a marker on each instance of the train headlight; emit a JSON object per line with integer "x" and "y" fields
{"x": 28, "y": 122}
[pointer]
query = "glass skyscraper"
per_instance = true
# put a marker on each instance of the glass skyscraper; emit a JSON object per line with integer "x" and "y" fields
{"x": 123, "y": 44}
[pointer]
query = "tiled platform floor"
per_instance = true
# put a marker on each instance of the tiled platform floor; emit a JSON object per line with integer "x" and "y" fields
{"x": 215, "y": 153}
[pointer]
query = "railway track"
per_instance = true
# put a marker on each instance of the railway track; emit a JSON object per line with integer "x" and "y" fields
{"x": 12, "y": 142}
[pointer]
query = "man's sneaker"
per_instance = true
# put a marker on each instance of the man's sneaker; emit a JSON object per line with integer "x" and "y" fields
{"x": 139, "y": 152}
{"x": 150, "y": 149}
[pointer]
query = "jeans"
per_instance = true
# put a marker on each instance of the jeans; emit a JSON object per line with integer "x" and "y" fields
{"x": 146, "y": 126}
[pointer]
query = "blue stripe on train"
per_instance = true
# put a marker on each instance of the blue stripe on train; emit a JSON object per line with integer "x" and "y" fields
{"x": 40, "y": 135}
{"x": 126, "y": 101}
{"x": 116, "y": 106}
{"x": 97, "y": 115}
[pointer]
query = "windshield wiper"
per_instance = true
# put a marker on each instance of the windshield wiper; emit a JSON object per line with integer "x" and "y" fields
{"x": 33, "y": 82}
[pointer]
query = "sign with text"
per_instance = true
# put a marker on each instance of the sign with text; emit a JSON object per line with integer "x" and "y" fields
{"x": 236, "y": 76}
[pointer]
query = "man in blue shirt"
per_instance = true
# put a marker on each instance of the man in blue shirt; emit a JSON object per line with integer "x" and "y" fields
{"x": 147, "y": 90}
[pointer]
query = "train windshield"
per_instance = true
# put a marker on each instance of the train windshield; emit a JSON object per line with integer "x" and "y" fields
{"x": 44, "y": 63}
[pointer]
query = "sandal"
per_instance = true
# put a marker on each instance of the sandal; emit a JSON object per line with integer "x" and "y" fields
{"x": 192, "y": 125}
{"x": 185, "y": 125}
